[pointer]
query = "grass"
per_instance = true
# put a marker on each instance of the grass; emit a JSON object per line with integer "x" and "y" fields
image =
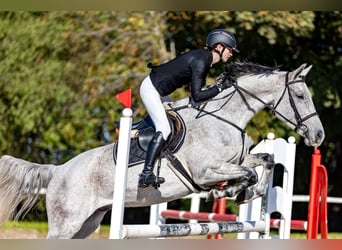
{"x": 40, "y": 226}
{"x": 42, "y": 229}
{"x": 103, "y": 233}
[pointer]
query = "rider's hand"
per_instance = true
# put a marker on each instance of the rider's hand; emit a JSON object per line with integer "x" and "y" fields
{"x": 222, "y": 81}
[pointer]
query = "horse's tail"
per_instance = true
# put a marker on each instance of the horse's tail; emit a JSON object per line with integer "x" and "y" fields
{"x": 20, "y": 181}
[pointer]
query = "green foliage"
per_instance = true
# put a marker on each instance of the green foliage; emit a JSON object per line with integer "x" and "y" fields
{"x": 39, "y": 101}
{"x": 60, "y": 72}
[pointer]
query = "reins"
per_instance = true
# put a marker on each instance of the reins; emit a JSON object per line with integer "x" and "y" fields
{"x": 299, "y": 119}
{"x": 242, "y": 131}
{"x": 202, "y": 110}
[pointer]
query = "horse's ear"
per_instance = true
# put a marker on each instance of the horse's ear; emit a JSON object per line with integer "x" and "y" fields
{"x": 306, "y": 70}
{"x": 299, "y": 71}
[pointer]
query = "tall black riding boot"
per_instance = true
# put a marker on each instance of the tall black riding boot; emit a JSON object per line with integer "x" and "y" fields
{"x": 147, "y": 177}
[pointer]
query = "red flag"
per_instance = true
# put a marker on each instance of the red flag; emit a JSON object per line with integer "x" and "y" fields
{"x": 125, "y": 97}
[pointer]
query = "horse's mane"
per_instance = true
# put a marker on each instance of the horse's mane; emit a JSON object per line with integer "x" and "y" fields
{"x": 238, "y": 69}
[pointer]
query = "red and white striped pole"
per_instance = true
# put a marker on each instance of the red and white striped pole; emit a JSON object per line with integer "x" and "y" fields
{"x": 215, "y": 217}
{"x": 219, "y": 207}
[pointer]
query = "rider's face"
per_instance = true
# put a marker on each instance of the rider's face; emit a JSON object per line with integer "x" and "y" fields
{"x": 227, "y": 53}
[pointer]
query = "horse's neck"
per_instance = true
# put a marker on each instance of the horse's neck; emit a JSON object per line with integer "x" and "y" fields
{"x": 238, "y": 108}
{"x": 230, "y": 105}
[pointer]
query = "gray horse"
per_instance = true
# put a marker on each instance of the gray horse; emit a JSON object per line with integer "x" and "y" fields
{"x": 215, "y": 149}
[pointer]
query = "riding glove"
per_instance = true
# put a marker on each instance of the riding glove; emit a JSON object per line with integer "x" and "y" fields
{"x": 222, "y": 81}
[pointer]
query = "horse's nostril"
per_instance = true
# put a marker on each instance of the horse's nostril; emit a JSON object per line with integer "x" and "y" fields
{"x": 319, "y": 136}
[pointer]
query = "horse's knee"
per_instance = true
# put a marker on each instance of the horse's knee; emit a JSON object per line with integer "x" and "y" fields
{"x": 232, "y": 190}
{"x": 253, "y": 179}
{"x": 250, "y": 178}
{"x": 214, "y": 194}
{"x": 269, "y": 159}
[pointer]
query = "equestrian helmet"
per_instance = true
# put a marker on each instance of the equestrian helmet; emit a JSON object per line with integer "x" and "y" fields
{"x": 223, "y": 37}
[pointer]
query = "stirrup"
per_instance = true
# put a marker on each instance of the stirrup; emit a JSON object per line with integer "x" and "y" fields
{"x": 147, "y": 179}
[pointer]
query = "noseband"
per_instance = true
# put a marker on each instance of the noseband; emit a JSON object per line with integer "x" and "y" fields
{"x": 300, "y": 120}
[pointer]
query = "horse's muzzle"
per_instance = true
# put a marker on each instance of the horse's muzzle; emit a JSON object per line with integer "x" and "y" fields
{"x": 314, "y": 139}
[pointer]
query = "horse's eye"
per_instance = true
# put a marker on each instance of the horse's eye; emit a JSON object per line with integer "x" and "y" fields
{"x": 300, "y": 95}
{"x": 302, "y": 77}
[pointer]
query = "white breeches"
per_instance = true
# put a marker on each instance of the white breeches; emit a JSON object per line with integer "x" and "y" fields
{"x": 154, "y": 106}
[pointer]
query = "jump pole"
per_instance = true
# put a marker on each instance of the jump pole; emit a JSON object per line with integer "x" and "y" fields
{"x": 189, "y": 229}
{"x": 215, "y": 217}
{"x": 121, "y": 175}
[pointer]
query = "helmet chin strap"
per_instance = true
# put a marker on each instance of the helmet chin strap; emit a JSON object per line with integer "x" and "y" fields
{"x": 220, "y": 53}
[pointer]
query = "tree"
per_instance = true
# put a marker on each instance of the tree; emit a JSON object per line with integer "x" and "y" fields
{"x": 39, "y": 112}
{"x": 57, "y": 93}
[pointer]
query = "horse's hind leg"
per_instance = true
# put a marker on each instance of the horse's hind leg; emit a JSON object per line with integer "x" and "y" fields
{"x": 90, "y": 225}
{"x": 258, "y": 190}
{"x": 67, "y": 224}
{"x": 61, "y": 224}
{"x": 68, "y": 218}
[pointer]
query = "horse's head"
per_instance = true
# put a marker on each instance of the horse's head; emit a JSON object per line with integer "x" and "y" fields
{"x": 294, "y": 106}
{"x": 286, "y": 93}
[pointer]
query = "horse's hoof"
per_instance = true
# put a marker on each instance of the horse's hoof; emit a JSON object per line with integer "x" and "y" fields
{"x": 230, "y": 193}
{"x": 211, "y": 196}
{"x": 244, "y": 196}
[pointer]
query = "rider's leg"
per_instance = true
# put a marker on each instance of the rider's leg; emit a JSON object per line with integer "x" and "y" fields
{"x": 147, "y": 176}
{"x": 155, "y": 108}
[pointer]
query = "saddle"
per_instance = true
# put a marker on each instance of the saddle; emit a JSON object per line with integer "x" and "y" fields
{"x": 142, "y": 133}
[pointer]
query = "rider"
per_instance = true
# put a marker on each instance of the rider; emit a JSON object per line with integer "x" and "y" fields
{"x": 189, "y": 68}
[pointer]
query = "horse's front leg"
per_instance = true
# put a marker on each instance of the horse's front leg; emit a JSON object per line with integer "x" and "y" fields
{"x": 258, "y": 190}
{"x": 245, "y": 188}
{"x": 226, "y": 171}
